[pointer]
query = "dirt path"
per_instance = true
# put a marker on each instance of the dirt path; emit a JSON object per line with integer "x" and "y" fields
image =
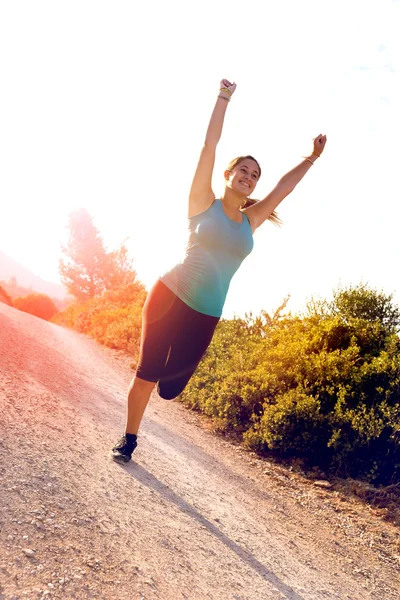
{"x": 194, "y": 517}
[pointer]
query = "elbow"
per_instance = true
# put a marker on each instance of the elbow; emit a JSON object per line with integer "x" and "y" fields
{"x": 210, "y": 143}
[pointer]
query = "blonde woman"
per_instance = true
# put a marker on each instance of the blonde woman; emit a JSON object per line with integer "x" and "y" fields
{"x": 183, "y": 308}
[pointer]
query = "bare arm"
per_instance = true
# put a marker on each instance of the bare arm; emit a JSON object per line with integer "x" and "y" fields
{"x": 201, "y": 195}
{"x": 260, "y": 211}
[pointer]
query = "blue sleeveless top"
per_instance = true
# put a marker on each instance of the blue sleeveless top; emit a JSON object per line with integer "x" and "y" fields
{"x": 216, "y": 247}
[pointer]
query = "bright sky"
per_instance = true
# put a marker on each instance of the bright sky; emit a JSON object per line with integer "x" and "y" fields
{"x": 104, "y": 105}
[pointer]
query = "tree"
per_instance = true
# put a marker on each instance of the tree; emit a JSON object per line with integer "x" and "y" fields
{"x": 119, "y": 270}
{"x": 89, "y": 270}
{"x": 81, "y": 272}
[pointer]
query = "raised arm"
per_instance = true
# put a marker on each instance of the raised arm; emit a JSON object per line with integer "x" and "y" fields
{"x": 201, "y": 195}
{"x": 260, "y": 211}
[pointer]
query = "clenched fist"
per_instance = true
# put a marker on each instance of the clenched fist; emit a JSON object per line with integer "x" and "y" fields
{"x": 227, "y": 85}
{"x": 319, "y": 144}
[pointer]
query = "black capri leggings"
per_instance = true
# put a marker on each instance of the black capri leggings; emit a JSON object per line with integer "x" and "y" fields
{"x": 174, "y": 339}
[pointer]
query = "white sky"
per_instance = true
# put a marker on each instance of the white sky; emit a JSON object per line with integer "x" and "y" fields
{"x": 104, "y": 105}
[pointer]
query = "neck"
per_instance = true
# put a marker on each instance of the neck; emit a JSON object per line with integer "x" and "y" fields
{"x": 232, "y": 200}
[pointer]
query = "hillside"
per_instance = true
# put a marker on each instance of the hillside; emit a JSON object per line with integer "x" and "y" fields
{"x": 27, "y": 279}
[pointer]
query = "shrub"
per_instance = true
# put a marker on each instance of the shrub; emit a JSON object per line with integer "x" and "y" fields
{"x": 293, "y": 426}
{"x": 113, "y": 319}
{"x": 323, "y": 387}
{"x": 40, "y": 305}
{"x": 4, "y": 297}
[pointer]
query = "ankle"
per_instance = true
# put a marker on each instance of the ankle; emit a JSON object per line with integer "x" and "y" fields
{"x": 131, "y": 439}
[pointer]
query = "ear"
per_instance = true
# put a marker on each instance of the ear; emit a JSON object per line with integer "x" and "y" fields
{"x": 227, "y": 174}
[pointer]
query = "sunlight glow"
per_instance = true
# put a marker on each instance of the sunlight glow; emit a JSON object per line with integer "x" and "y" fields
{"x": 107, "y": 107}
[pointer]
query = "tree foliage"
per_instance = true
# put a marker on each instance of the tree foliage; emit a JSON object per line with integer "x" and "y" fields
{"x": 88, "y": 270}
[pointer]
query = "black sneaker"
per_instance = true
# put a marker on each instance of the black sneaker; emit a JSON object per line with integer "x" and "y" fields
{"x": 122, "y": 452}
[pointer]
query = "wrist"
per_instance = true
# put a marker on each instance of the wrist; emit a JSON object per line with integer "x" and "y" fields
{"x": 225, "y": 93}
{"x": 311, "y": 158}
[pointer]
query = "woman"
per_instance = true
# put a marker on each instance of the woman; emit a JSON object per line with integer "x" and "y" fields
{"x": 183, "y": 308}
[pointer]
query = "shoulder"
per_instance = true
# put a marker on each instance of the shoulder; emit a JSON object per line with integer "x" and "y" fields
{"x": 211, "y": 205}
{"x": 249, "y": 217}
{"x": 198, "y": 203}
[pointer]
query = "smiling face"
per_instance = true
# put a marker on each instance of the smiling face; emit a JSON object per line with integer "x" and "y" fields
{"x": 242, "y": 178}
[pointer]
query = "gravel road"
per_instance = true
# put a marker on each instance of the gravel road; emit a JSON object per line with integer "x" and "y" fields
{"x": 192, "y": 517}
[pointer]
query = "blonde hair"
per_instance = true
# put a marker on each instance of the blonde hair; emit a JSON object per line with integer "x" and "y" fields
{"x": 273, "y": 217}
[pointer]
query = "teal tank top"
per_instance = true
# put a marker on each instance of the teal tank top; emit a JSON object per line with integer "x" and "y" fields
{"x": 216, "y": 247}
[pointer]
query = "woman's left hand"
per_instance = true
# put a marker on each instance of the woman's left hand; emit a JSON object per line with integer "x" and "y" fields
{"x": 319, "y": 144}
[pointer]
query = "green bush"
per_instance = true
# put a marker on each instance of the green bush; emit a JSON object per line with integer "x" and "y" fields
{"x": 323, "y": 387}
{"x": 293, "y": 426}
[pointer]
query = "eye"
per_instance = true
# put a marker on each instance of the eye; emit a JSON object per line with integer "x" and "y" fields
{"x": 254, "y": 176}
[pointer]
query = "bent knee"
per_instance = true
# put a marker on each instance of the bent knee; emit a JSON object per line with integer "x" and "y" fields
{"x": 169, "y": 392}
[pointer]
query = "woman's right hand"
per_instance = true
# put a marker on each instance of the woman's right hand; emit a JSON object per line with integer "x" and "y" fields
{"x": 319, "y": 144}
{"x": 224, "y": 85}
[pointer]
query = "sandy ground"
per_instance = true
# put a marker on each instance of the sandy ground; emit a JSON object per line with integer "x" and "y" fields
{"x": 192, "y": 517}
